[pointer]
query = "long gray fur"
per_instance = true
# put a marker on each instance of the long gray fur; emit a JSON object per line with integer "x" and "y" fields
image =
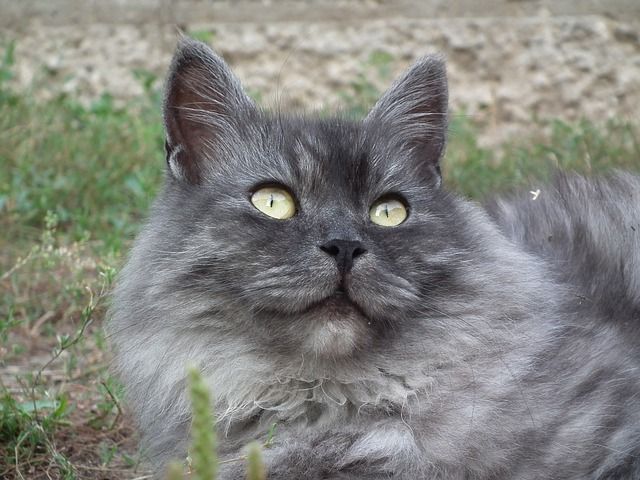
{"x": 499, "y": 345}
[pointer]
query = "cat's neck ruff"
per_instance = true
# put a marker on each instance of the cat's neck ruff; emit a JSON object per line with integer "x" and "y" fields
{"x": 306, "y": 392}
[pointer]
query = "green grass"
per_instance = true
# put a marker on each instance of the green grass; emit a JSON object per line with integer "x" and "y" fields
{"x": 202, "y": 462}
{"x": 583, "y": 147}
{"x": 95, "y": 167}
{"x": 75, "y": 182}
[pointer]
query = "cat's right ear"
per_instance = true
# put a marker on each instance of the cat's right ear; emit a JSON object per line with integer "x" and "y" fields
{"x": 203, "y": 102}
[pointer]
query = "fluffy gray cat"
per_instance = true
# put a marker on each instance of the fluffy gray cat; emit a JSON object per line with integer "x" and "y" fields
{"x": 323, "y": 279}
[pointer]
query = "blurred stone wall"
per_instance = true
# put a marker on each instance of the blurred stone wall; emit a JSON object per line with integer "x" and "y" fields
{"x": 509, "y": 61}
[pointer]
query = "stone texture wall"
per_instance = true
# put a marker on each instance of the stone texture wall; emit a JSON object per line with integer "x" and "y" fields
{"x": 509, "y": 60}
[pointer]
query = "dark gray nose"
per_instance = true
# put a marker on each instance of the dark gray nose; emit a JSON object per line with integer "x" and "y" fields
{"x": 344, "y": 251}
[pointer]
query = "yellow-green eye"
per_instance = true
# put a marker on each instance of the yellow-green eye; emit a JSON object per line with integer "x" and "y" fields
{"x": 275, "y": 202}
{"x": 388, "y": 212}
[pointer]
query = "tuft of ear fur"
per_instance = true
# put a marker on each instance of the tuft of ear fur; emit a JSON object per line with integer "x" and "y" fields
{"x": 203, "y": 101}
{"x": 414, "y": 110}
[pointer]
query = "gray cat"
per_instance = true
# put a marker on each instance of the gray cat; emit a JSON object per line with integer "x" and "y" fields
{"x": 321, "y": 277}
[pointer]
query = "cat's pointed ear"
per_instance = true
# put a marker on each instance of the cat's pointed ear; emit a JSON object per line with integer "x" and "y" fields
{"x": 203, "y": 102}
{"x": 414, "y": 110}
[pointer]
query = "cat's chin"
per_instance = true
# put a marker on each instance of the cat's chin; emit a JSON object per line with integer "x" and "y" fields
{"x": 336, "y": 327}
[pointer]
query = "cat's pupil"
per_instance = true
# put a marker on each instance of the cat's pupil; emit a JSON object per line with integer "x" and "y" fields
{"x": 271, "y": 200}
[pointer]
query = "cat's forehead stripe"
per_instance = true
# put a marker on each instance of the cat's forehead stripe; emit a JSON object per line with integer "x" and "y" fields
{"x": 337, "y": 155}
{"x": 306, "y": 151}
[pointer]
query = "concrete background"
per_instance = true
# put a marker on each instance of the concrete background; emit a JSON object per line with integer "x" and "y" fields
{"x": 510, "y": 61}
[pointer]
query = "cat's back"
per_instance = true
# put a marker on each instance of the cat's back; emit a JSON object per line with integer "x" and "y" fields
{"x": 588, "y": 229}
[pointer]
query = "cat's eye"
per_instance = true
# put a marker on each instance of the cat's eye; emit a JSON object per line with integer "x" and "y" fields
{"x": 388, "y": 212}
{"x": 275, "y": 202}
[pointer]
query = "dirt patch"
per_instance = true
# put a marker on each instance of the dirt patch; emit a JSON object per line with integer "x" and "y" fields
{"x": 509, "y": 62}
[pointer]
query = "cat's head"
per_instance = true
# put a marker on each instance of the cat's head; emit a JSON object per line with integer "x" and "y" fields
{"x": 329, "y": 234}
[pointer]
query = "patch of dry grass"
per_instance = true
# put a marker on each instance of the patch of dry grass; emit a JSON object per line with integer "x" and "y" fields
{"x": 60, "y": 412}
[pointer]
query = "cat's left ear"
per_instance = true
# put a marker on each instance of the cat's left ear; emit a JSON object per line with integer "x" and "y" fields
{"x": 414, "y": 111}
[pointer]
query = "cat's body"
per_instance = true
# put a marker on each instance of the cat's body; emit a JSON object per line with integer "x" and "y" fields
{"x": 455, "y": 345}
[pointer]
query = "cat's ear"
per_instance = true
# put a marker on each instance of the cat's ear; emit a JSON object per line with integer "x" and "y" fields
{"x": 203, "y": 103}
{"x": 414, "y": 110}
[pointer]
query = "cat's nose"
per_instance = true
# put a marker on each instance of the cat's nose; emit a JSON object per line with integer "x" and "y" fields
{"x": 344, "y": 251}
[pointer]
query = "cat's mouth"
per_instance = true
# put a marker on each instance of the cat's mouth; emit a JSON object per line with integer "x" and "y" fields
{"x": 337, "y": 303}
